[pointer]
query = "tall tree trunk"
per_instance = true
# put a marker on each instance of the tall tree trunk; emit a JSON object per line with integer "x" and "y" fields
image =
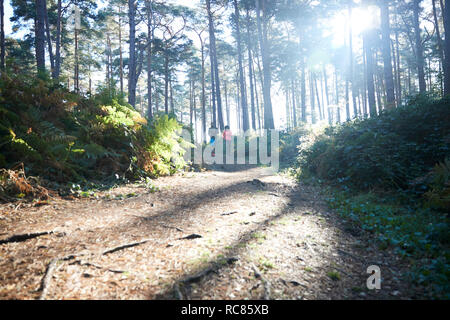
{"x": 419, "y": 47}
{"x": 447, "y": 49}
{"x": 40, "y": 34}
{"x": 227, "y": 106}
{"x": 347, "y": 84}
{"x": 265, "y": 53}
{"x": 76, "y": 78}
{"x": 49, "y": 44}
{"x": 439, "y": 38}
{"x": 316, "y": 88}
{"x": 166, "y": 81}
{"x": 368, "y": 44}
{"x": 215, "y": 65}
{"x": 288, "y": 111}
{"x": 303, "y": 87}
{"x": 250, "y": 69}
{"x": 312, "y": 98}
{"x": 387, "y": 58}
{"x": 148, "y": 4}
{"x": 2, "y": 35}
{"x": 132, "y": 61}
{"x": 294, "y": 106}
{"x": 245, "y": 119}
{"x": 399, "y": 70}
{"x": 120, "y": 51}
{"x": 203, "y": 91}
{"x": 351, "y": 64}
{"x": 58, "y": 41}
{"x": 258, "y": 106}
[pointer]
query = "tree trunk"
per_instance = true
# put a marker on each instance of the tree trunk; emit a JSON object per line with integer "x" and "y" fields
{"x": 76, "y": 78}
{"x": 203, "y": 91}
{"x": 265, "y": 53}
{"x": 351, "y": 64}
{"x": 166, "y": 81}
{"x": 387, "y": 58}
{"x": 121, "y": 51}
{"x": 132, "y": 61}
{"x": 245, "y": 119}
{"x": 303, "y": 88}
{"x": 215, "y": 65}
{"x": 49, "y": 44}
{"x": 250, "y": 70}
{"x": 294, "y": 107}
{"x": 439, "y": 38}
{"x": 368, "y": 39}
{"x": 447, "y": 50}
{"x": 58, "y": 41}
{"x": 2, "y": 35}
{"x": 40, "y": 35}
{"x": 419, "y": 47}
{"x": 149, "y": 57}
{"x": 311, "y": 96}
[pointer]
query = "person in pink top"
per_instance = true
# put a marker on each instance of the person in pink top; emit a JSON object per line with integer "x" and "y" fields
{"x": 227, "y": 134}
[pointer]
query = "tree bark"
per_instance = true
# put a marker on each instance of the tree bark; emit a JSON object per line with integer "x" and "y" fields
{"x": 215, "y": 65}
{"x": 368, "y": 43}
{"x": 40, "y": 35}
{"x": 419, "y": 47}
{"x": 245, "y": 118}
{"x": 149, "y": 57}
{"x": 265, "y": 53}
{"x": 49, "y": 44}
{"x": 387, "y": 58}
{"x": 132, "y": 61}
{"x": 2, "y": 35}
{"x": 447, "y": 50}
{"x": 58, "y": 41}
{"x": 250, "y": 69}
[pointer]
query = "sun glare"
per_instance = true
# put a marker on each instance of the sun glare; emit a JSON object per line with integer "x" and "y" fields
{"x": 362, "y": 20}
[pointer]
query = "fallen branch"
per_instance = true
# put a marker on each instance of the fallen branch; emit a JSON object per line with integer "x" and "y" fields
{"x": 89, "y": 264}
{"x": 191, "y": 237}
{"x": 266, "y": 283}
{"x": 46, "y": 280}
{"x": 229, "y": 213}
{"x": 24, "y": 237}
{"x": 125, "y": 246}
{"x": 51, "y": 267}
{"x": 178, "y": 293}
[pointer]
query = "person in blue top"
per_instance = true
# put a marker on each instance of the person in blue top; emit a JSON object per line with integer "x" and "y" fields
{"x": 212, "y": 140}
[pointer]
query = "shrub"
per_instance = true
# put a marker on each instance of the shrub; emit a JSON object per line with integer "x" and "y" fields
{"x": 388, "y": 151}
{"x": 65, "y": 137}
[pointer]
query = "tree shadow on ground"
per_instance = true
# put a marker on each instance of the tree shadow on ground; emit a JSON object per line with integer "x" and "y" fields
{"x": 353, "y": 268}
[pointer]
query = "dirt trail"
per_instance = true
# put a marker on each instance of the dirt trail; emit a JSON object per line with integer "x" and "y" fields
{"x": 243, "y": 234}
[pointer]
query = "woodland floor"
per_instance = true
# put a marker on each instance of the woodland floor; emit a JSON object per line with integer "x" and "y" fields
{"x": 269, "y": 238}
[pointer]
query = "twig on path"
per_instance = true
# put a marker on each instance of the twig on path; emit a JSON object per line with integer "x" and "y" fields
{"x": 51, "y": 267}
{"x": 178, "y": 293}
{"x": 24, "y": 237}
{"x": 191, "y": 237}
{"x": 229, "y": 213}
{"x": 89, "y": 264}
{"x": 46, "y": 280}
{"x": 125, "y": 246}
{"x": 266, "y": 283}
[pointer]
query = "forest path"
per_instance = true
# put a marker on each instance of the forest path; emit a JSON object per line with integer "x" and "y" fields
{"x": 248, "y": 234}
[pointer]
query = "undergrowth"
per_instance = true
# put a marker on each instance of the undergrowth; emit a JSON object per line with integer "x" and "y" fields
{"x": 63, "y": 137}
{"x": 389, "y": 176}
